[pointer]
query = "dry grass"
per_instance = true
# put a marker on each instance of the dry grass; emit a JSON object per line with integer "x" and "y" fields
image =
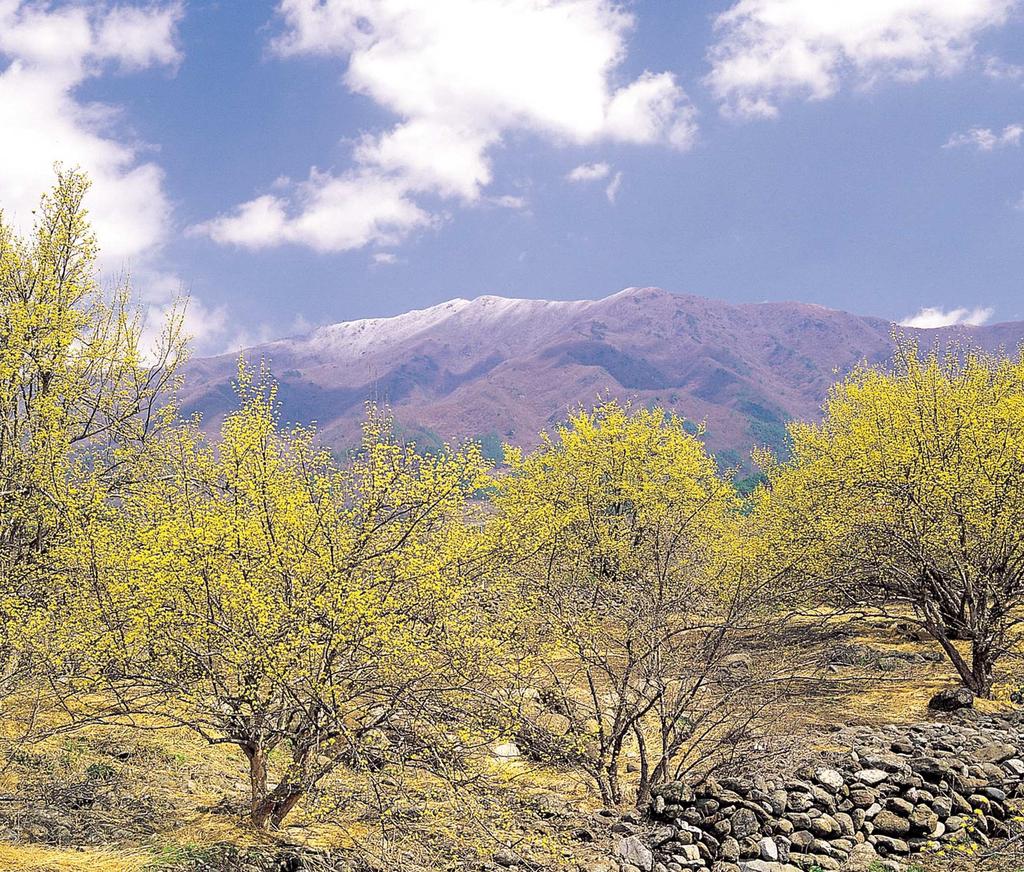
{"x": 863, "y": 694}
{"x": 197, "y": 791}
{"x": 195, "y": 796}
{"x": 34, "y": 858}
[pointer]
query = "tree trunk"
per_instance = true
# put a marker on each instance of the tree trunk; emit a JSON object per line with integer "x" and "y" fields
{"x": 976, "y": 675}
{"x": 982, "y": 669}
{"x": 611, "y": 768}
{"x": 284, "y": 808}
{"x": 276, "y": 806}
{"x": 643, "y": 787}
{"x": 608, "y": 782}
{"x": 954, "y": 620}
{"x": 257, "y": 777}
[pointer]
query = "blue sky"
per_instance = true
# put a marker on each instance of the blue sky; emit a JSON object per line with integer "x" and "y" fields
{"x": 308, "y": 161}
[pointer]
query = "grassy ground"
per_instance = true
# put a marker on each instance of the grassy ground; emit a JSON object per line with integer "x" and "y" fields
{"x": 108, "y": 799}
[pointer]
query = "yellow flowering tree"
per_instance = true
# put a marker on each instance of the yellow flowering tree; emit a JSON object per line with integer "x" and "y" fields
{"x": 628, "y": 544}
{"x": 74, "y": 387}
{"x": 264, "y": 596}
{"x": 910, "y": 496}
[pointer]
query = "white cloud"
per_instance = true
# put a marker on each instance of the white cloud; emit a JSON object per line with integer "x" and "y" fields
{"x": 140, "y": 37}
{"x": 651, "y": 109}
{"x": 935, "y": 316}
{"x": 461, "y": 76}
{"x": 589, "y": 172}
{"x": 431, "y": 156}
{"x": 771, "y": 50}
{"x": 384, "y": 258}
{"x": 985, "y": 139}
{"x": 331, "y": 213}
{"x": 49, "y": 54}
{"x": 997, "y": 68}
{"x": 612, "y": 191}
{"x": 509, "y": 201}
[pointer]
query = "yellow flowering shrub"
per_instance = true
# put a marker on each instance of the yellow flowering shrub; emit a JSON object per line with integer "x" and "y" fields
{"x": 628, "y": 543}
{"x": 75, "y": 394}
{"x": 263, "y": 595}
{"x": 910, "y": 495}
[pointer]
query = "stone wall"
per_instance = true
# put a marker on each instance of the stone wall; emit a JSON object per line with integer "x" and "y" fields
{"x": 886, "y": 794}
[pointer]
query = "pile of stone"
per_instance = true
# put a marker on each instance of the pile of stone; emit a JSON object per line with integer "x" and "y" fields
{"x": 891, "y": 792}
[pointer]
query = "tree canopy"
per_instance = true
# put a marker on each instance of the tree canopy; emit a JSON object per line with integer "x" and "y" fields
{"x": 909, "y": 495}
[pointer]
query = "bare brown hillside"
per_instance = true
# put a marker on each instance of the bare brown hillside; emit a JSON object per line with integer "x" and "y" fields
{"x": 498, "y": 370}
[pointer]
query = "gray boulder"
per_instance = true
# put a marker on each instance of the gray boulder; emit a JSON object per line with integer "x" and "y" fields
{"x": 951, "y": 699}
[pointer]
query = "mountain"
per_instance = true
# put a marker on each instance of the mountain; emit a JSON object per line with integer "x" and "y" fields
{"x": 498, "y": 369}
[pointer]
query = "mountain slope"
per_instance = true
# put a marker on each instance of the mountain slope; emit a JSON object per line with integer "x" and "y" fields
{"x": 502, "y": 370}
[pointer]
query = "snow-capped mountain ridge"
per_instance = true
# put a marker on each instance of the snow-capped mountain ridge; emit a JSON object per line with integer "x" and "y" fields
{"x": 359, "y": 336}
{"x": 502, "y": 369}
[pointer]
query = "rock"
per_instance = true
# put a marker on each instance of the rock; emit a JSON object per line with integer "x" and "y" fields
{"x": 863, "y": 858}
{"x": 923, "y": 819}
{"x": 930, "y": 768}
{"x": 636, "y": 853}
{"x": 778, "y": 799}
{"x": 506, "y": 857}
{"x": 891, "y": 824}
{"x": 900, "y": 806}
{"x": 888, "y": 845}
{"x": 802, "y": 840}
{"x": 799, "y": 801}
{"x": 846, "y": 825}
{"x": 863, "y": 797}
{"x": 674, "y": 792}
{"x": 768, "y": 849}
{"x": 829, "y": 778}
{"x": 730, "y": 849}
{"x": 960, "y": 804}
{"x": 689, "y": 853}
{"x": 744, "y": 823}
{"x": 951, "y": 699}
{"x": 825, "y": 826}
{"x": 1016, "y": 766}
{"x": 994, "y": 752}
{"x": 977, "y": 800}
{"x": 897, "y": 790}
{"x": 799, "y": 820}
{"x": 506, "y": 751}
{"x": 662, "y": 835}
